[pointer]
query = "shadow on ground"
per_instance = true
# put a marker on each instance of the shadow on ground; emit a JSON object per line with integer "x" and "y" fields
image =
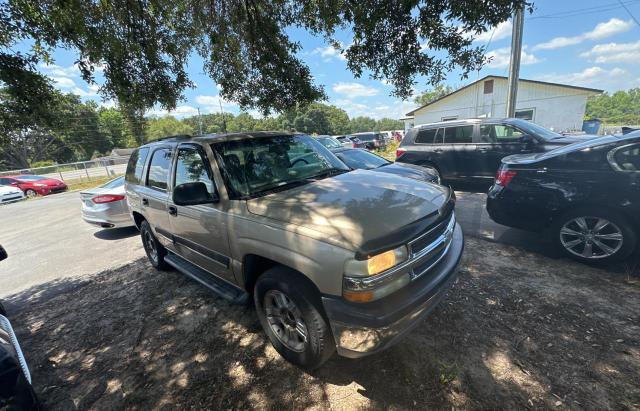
{"x": 517, "y": 331}
{"x": 116, "y": 233}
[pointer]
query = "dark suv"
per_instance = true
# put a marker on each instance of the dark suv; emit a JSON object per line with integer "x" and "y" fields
{"x": 370, "y": 140}
{"x": 472, "y": 149}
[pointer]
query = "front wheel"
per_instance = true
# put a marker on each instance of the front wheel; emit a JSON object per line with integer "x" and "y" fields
{"x": 30, "y": 193}
{"x": 290, "y": 314}
{"x": 594, "y": 236}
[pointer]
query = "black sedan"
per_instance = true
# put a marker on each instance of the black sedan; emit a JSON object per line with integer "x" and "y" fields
{"x": 356, "y": 158}
{"x": 586, "y": 194}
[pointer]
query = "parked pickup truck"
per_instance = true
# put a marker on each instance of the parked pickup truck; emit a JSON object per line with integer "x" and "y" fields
{"x": 333, "y": 258}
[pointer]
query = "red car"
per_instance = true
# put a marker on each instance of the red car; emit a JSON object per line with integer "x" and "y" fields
{"x": 34, "y": 185}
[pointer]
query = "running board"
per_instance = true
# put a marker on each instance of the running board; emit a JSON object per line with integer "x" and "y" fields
{"x": 215, "y": 284}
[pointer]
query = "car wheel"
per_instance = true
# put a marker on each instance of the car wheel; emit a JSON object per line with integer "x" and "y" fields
{"x": 30, "y": 193}
{"x": 155, "y": 251}
{"x": 594, "y": 236}
{"x": 290, "y": 312}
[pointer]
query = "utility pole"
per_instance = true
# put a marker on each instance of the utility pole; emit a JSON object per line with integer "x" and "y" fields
{"x": 514, "y": 63}
{"x": 199, "y": 121}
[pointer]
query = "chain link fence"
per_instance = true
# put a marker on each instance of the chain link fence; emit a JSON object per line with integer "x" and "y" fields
{"x": 80, "y": 171}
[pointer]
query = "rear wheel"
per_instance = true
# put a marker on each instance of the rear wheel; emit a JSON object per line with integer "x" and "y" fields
{"x": 155, "y": 251}
{"x": 30, "y": 193}
{"x": 594, "y": 236}
{"x": 291, "y": 316}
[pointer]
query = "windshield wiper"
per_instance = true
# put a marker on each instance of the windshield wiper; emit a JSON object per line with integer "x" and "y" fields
{"x": 282, "y": 186}
{"x": 329, "y": 172}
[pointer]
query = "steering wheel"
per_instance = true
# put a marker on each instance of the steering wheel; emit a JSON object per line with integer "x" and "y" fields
{"x": 299, "y": 160}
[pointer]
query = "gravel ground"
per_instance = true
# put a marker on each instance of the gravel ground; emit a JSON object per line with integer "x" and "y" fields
{"x": 517, "y": 331}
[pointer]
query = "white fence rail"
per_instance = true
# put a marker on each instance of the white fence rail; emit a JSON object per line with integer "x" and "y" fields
{"x": 82, "y": 171}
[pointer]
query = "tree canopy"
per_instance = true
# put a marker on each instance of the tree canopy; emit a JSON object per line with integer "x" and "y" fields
{"x": 621, "y": 107}
{"x": 143, "y": 46}
{"x": 433, "y": 94}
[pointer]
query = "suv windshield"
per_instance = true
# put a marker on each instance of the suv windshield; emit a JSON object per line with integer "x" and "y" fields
{"x": 258, "y": 166}
{"x": 537, "y": 130}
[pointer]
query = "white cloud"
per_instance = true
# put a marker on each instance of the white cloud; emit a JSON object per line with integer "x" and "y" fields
{"x": 614, "y": 53}
{"x": 63, "y": 82}
{"x": 354, "y": 89}
{"x": 500, "y": 58}
{"x": 601, "y": 31}
{"x": 596, "y": 77}
{"x": 180, "y": 111}
{"x": 329, "y": 53}
{"x": 394, "y": 109}
{"x": 55, "y": 70}
{"x": 211, "y": 104}
{"x": 501, "y": 31}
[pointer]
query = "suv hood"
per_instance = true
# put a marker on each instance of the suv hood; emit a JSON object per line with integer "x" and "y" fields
{"x": 354, "y": 208}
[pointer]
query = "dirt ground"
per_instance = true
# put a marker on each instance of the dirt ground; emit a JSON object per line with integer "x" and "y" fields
{"x": 518, "y": 331}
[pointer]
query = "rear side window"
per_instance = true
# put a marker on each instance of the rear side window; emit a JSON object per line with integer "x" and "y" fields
{"x": 426, "y": 136}
{"x": 159, "y": 169}
{"x": 461, "y": 134}
{"x": 135, "y": 167}
{"x": 628, "y": 158}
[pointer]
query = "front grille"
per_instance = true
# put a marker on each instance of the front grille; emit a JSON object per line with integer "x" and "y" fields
{"x": 421, "y": 243}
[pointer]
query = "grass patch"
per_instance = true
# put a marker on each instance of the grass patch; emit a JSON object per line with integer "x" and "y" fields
{"x": 82, "y": 184}
{"x": 389, "y": 152}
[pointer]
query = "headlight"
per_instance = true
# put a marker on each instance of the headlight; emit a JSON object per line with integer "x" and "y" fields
{"x": 39, "y": 185}
{"x": 376, "y": 264}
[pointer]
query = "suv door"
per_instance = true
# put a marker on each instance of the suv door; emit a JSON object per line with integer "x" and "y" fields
{"x": 496, "y": 141}
{"x": 199, "y": 231}
{"x": 458, "y": 151}
{"x": 427, "y": 149}
{"x": 154, "y": 194}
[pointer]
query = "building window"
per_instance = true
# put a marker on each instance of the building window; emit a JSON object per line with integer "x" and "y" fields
{"x": 449, "y": 118}
{"x": 488, "y": 87}
{"x": 525, "y": 114}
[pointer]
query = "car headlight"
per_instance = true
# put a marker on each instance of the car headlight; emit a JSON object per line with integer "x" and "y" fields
{"x": 377, "y": 263}
{"x": 39, "y": 185}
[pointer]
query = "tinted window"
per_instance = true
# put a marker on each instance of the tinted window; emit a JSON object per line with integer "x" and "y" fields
{"x": 361, "y": 159}
{"x": 628, "y": 158}
{"x": 4, "y": 181}
{"x": 365, "y": 137}
{"x": 159, "y": 169}
{"x": 426, "y": 136}
{"x": 499, "y": 133}
{"x": 135, "y": 167}
{"x": 191, "y": 168}
{"x": 461, "y": 134}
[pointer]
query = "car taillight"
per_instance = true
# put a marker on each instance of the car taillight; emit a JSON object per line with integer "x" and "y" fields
{"x": 400, "y": 152}
{"x": 504, "y": 177}
{"x": 107, "y": 198}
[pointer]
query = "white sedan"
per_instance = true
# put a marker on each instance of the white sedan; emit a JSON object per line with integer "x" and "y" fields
{"x": 9, "y": 194}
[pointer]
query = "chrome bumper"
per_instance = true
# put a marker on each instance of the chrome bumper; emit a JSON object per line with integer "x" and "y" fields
{"x": 364, "y": 329}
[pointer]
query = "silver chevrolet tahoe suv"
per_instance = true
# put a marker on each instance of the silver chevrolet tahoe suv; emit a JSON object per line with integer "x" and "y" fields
{"x": 333, "y": 258}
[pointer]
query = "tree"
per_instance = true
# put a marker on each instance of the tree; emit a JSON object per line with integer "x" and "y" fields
{"x": 359, "y": 124}
{"x": 143, "y": 46}
{"x": 388, "y": 124}
{"x": 622, "y": 107}
{"x": 433, "y": 94}
{"x": 166, "y": 126}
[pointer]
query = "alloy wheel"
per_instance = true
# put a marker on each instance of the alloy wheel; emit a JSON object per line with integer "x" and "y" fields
{"x": 31, "y": 193}
{"x": 150, "y": 246}
{"x": 285, "y": 320}
{"x": 591, "y": 237}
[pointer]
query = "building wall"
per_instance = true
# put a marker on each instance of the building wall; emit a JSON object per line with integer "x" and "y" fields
{"x": 556, "y": 107}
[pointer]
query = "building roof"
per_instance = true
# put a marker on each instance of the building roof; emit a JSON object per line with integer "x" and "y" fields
{"x": 117, "y": 152}
{"x": 593, "y": 90}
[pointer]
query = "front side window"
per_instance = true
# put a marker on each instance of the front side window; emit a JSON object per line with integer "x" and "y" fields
{"x": 135, "y": 167}
{"x": 159, "y": 169}
{"x": 628, "y": 158}
{"x": 191, "y": 168}
{"x": 258, "y": 166}
{"x": 426, "y": 136}
{"x": 461, "y": 134}
{"x": 499, "y": 133}
{"x": 361, "y": 159}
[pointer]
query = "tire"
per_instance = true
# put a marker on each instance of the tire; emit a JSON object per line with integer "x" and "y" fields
{"x": 155, "y": 251}
{"x": 590, "y": 230}
{"x": 307, "y": 353}
{"x": 30, "y": 193}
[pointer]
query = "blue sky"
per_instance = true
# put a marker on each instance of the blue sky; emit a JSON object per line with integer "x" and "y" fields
{"x": 593, "y": 43}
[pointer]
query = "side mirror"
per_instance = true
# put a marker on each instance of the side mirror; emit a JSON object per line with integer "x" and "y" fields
{"x": 528, "y": 140}
{"x": 193, "y": 194}
{"x": 3, "y": 253}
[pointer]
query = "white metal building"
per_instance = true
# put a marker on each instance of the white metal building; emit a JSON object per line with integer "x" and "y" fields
{"x": 557, "y": 106}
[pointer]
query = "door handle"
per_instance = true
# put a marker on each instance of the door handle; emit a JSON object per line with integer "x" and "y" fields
{"x": 145, "y": 202}
{"x": 173, "y": 210}
{"x": 483, "y": 150}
